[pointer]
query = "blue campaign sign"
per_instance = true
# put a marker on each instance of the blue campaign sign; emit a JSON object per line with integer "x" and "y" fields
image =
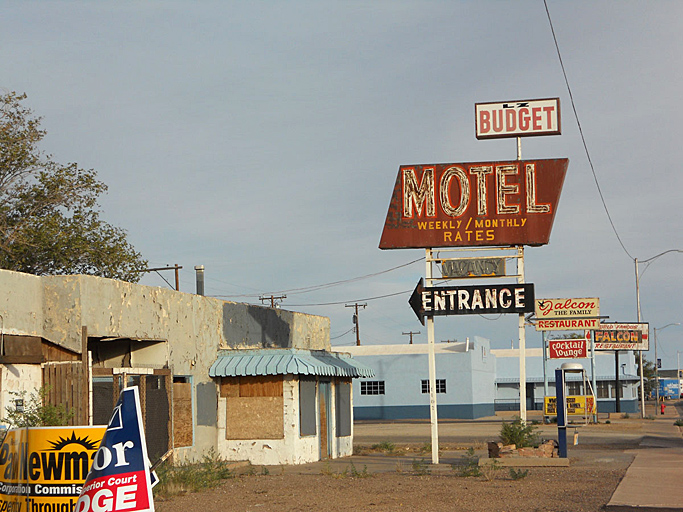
{"x": 119, "y": 479}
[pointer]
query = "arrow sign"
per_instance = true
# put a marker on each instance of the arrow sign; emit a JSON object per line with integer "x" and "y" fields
{"x": 471, "y": 300}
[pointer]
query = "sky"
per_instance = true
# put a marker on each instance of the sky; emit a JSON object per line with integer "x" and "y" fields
{"x": 262, "y": 140}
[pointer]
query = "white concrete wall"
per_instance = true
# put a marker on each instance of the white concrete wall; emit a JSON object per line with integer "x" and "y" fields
{"x": 17, "y": 378}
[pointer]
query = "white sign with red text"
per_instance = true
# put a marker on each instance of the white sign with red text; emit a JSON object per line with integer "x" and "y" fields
{"x": 567, "y": 314}
{"x": 517, "y": 118}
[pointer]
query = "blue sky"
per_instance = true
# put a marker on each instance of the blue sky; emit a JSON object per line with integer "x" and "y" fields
{"x": 262, "y": 140}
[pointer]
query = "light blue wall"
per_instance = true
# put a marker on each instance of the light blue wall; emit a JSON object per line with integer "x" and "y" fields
{"x": 470, "y": 385}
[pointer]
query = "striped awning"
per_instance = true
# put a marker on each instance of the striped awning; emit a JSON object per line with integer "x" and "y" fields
{"x": 242, "y": 363}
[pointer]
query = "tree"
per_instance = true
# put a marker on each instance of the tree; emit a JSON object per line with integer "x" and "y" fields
{"x": 648, "y": 375}
{"x": 49, "y": 215}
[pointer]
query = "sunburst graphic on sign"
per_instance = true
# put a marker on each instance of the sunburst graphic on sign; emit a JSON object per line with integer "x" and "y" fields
{"x": 85, "y": 442}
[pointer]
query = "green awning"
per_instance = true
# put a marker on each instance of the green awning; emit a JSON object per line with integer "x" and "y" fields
{"x": 243, "y": 363}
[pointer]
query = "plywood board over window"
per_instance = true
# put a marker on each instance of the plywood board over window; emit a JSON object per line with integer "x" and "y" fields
{"x": 182, "y": 412}
{"x": 254, "y": 407}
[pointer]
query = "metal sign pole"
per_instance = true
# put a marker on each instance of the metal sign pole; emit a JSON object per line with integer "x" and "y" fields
{"x": 522, "y": 341}
{"x": 432, "y": 367}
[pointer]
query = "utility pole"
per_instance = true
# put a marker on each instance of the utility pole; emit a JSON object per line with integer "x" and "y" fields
{"x": 175, "y": 267}
{"x": 355, "y": 319}
{"x": 272, "y": 299}
{"x": 410, "y": 333}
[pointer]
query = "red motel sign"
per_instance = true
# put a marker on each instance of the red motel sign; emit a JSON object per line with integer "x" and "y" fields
{"x": 474, "y": 204}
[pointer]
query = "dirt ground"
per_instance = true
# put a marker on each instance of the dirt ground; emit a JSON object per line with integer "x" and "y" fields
{"x": 578, "y": 489}
{"x": 405, "y": 479}
{"x": 409, "y": 483}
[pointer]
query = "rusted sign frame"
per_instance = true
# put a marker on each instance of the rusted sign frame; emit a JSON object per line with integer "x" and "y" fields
{"x": 475, "y": 204}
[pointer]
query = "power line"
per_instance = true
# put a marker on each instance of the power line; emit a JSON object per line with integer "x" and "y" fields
{"x": 327, "y": 285}
{"x": 585, "y": 147}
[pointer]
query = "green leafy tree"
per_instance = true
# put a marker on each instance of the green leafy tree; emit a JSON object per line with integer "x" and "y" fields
{"x": 648, "y": 375}
{"x": 49, "y": 214}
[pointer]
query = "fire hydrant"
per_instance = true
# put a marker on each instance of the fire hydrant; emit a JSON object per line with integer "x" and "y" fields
{"x": 662, "y": 407}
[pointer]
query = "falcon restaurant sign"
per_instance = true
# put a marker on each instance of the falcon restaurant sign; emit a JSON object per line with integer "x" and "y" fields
{"x": 613, "y": 336}
{"x": 517, "y": 118}
{"x": 567, "y": 314}
{"x": 474, "y": 204}
{"x": 471, "y": 300}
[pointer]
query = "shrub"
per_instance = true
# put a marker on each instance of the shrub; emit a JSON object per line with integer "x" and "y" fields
{"x": 470, "y": 467}
{"x": 192, "y": 477}
{"x": 679, "y": 422}
{"x": 518, "y": 474}
{"x": 518, "y": 433}
{"x": 384, "y": 446}
{"x": 36, "y": 413}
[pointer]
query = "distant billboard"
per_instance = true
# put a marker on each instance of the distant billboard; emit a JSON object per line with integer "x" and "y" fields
{"x": 615, "y": 336}
{"x": 517, "y": 118}
{"x": 474, "y": 204}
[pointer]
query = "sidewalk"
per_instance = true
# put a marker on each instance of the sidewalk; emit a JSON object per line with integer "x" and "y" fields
{"x": 653, "y": 481}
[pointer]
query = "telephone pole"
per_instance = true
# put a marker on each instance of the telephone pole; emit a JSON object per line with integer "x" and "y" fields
{"x": 355, "y": 319}
{"x": 410, "y": 333}
{"x": 272, "y": 299}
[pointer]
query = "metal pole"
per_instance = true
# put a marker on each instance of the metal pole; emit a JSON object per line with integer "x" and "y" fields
{"x": 522, "y": 341}
{"x": 594, "y": 378}
{"x": 432, "y": 368}
{"x": 561, "y": 410}
{"x": 617, "y": 385}
{"x": 545, "y": 366}
{"x": 640, "y": 352}
{"x": 656, "y": 370}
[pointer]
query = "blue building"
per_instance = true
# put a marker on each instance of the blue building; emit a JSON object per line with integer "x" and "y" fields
{"x": 474, "y": 381}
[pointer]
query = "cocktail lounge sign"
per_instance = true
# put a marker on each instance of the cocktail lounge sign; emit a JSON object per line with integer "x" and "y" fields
{"x": 474, "y": 204}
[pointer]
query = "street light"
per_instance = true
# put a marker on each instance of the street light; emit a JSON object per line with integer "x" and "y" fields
{"x": 640, "y": 352}
{"x": 656, "y": 360}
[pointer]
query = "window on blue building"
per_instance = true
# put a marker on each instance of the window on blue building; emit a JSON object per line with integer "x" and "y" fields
{"x": 440, "y": 386}
{"x": 372, "y": 387}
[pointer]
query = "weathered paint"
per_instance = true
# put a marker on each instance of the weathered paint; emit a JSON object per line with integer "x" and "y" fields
{"x": 158, "y": 328}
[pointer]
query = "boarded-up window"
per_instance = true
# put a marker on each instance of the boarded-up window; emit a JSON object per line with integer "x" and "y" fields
{"x": 307, "y": 418}
{"x": 254, "y": 407}
{"x": 182, "y": 411}
{"x": 343, "y": 408}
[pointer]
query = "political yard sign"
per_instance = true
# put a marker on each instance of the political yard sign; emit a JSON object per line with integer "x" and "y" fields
{"x": 43, "y": 468}
{"x": 119, "y": 479}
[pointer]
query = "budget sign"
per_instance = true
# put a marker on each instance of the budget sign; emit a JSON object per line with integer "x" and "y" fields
{"x": 119, "y": 479}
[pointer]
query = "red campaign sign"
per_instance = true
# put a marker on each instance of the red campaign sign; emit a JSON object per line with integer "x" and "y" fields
{"x": 119, "y": 479}
{"x": 474, "y": 204}
{"x": 568, "y": 349}
{"x": 123, "y": 491}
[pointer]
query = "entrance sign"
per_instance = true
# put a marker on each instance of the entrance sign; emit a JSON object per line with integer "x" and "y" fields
{"x": 614, "y": 336}
{"x": 484, "y": 204}
{"x": 473, "y": 267}
{"x": 567, "y": 308}
{"x": 119, "y": 479}
{"x": 568, "y": 349}
{"x": 471, "y": 300}
{"x": 517, "y": 118}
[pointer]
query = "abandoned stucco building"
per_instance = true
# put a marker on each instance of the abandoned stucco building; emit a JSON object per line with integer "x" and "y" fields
{"x": 250, "y": 382}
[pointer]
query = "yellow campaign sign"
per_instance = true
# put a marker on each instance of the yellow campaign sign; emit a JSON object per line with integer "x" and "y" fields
{"x": 44, "y": 468}
{"x": 579, "y": 405}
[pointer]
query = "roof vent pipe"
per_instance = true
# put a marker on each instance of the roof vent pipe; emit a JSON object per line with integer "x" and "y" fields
{"x": 199, "y": 269}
